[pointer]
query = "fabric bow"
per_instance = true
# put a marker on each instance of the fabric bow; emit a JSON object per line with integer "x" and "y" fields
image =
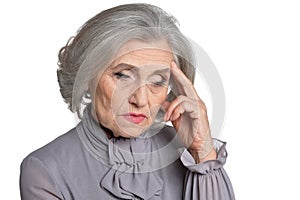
{"x": 123, "y": 180}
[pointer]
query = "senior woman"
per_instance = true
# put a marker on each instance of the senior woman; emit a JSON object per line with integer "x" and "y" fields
{"x": 127, "y": 72}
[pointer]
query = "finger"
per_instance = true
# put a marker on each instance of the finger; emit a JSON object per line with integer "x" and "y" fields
{"x": 182, "y": 82}
{"x": 165, "y": 105}
{"x": 176, "y": 113}
{"x": 171, "y": 107}
{"x": 182, "y": 104}
{"x": 179, "y": 75}
{"x": 181, "y": 78}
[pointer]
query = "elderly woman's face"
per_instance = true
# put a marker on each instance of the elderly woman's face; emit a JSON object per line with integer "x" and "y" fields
{"x": 131, "y": 90}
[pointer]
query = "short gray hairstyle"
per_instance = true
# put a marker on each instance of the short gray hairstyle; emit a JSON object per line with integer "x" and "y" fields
{"x": 96, "y": 43}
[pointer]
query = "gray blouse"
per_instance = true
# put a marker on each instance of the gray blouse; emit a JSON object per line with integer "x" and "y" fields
{"x": 84, "y": 164}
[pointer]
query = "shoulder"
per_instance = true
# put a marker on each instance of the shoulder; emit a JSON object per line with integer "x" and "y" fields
{"x": 57, "y": 150}
{"x": 42, "y": 170}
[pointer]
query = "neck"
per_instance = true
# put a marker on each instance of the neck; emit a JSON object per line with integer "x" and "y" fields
{"x": 108, "y": 132}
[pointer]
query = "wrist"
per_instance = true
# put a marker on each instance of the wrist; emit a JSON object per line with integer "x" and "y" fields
{"x": 200, "y": 157}
{"x": 202, "y": 149}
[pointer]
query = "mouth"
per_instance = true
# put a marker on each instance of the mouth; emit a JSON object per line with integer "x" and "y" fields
{"x": 135, "y": 118}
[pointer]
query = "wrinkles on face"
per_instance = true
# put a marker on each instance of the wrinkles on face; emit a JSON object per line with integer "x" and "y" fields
{"x": 132, "y": 89}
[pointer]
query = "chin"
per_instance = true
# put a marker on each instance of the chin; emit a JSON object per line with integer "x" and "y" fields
{"x": 128, "y": 129}
{"x": 132, "y": 132}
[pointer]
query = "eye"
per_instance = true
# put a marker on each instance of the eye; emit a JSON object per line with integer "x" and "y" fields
{"x": 121, "y": 75}
{"x": 158, "y": 80}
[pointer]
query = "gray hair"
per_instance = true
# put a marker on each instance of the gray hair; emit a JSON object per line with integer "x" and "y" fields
{"x": 96, "y": 43}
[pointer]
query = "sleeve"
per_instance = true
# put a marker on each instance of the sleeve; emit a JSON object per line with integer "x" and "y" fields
{"x": 35, "y": 181}
{"x": 207, "y": 180}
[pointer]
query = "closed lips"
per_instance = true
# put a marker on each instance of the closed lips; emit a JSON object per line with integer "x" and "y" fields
{"x": 134, "y": 117}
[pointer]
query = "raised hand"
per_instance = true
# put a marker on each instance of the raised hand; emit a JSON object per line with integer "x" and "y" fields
{"x": 188, "y": 114}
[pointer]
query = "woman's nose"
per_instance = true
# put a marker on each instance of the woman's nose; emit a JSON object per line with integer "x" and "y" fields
{"x": 140, "y": 97}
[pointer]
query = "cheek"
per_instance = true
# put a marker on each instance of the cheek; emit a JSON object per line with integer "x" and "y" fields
{"x": 116, "y": 96}
{"x": 156, "y": 102}
{"x": 159, "y": 98}
{"x": 104, "y": 93}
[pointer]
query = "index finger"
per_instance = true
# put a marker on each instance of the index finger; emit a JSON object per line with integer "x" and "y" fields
{"x": 184, "y": 85}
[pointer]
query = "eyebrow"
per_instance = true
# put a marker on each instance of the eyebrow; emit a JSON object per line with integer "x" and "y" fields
{"x": 135, "y": 68}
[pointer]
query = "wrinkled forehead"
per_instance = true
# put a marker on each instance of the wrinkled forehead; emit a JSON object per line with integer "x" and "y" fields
{"x": 139, "y": 53}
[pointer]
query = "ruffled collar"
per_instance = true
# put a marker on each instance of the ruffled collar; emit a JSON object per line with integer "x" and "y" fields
{"x": 128, "y": 159}
{"x": 114, "y": 151}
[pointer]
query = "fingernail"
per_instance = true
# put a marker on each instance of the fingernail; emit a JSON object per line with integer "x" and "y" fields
{"x": 166, "y": 117}
{"x": 174, "y": 64}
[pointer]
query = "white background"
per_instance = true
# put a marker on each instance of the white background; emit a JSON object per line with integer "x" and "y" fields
{"x": 255, "y": 46}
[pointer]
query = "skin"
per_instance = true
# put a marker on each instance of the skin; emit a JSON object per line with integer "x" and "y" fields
{"x": 188, "y": 114}
{"x": 137, "y": 82}
{"x": 130, "y": 85}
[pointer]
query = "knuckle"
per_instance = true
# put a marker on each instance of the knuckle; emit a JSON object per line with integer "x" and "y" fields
{"x": 202, "y": 105}
{"x": 181, "y": 98}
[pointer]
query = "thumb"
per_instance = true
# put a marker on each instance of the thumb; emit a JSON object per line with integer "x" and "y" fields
{"x": 165, "y": 105}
